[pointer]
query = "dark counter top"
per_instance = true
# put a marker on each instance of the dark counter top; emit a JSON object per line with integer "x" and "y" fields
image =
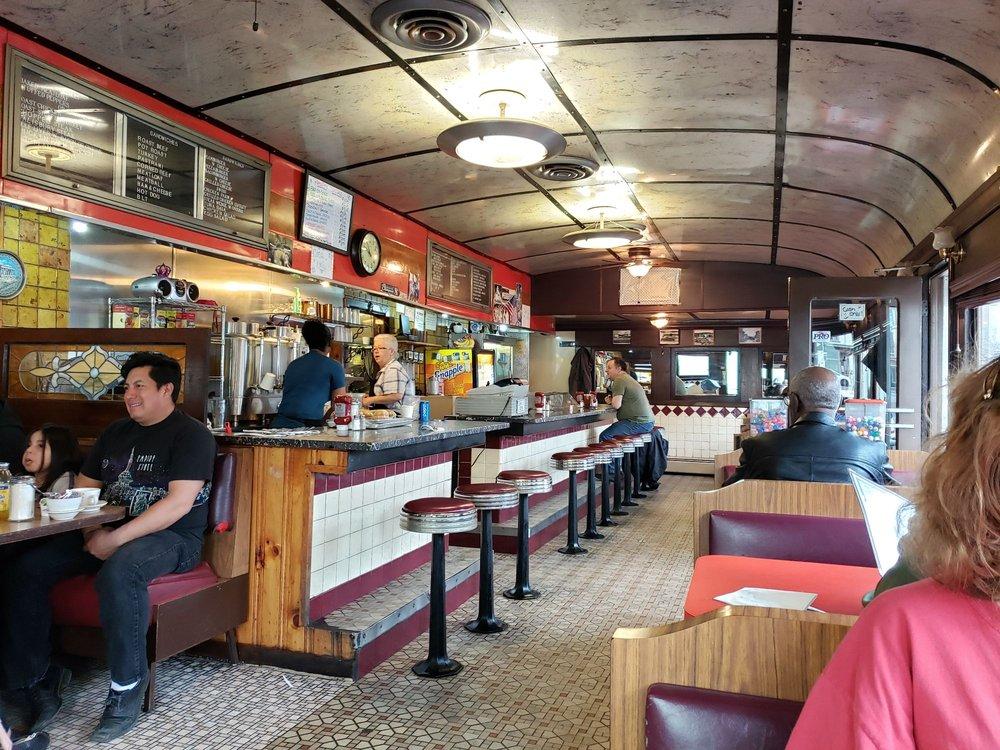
{"x": 542, "y": 421}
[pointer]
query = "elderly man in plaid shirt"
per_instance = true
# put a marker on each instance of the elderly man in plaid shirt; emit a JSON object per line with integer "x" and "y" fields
{"x": 393, "y": 382}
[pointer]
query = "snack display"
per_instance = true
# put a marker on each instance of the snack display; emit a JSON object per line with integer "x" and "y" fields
{"x": 767, "y": 415}
{"x": 865, "y": 418}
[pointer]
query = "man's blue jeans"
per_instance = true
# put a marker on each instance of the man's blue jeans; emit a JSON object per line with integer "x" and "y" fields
{"x": 121, "y": 585}
{"x": 626, "y": 427}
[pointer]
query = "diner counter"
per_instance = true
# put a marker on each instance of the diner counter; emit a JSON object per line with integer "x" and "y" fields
{"x": 536, "y": 421}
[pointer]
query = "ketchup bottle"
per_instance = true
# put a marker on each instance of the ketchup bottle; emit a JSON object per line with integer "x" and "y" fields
{"x": 342, "y": 412}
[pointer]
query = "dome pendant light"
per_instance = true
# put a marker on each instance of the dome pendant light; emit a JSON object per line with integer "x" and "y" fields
{"x": 501, "y": 142}
{"x": 603, "y": 235}
{"x": 659, "y": 321}
{"x": 639, "y": 268}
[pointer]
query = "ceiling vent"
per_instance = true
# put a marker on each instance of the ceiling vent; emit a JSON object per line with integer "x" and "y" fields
{"x": 565, "y": 169}
{"x": 431, "y": 25}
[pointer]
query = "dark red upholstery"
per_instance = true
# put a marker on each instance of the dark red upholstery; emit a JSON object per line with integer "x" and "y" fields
{"x": 523, "y": 474}
{"x": 484, "y": 489}
{"x": 687, "y": 718}
{"x": 74, "y": 601}
{"x": 779, "y": 536}
{"x": 906, "y": 478}
{"x": 565, "y": 456}
{"x": 727, "y": 472}
{"x": 222, "y": 501}
{"x": 440, "y": 505}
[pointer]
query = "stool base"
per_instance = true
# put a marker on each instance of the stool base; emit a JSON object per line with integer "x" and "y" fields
{"x": 630, "y": 504}
{"x": 572, "y": 550}
{"x": 437, "y": 668}
{"x": 621, "y": 512}
{"x": 591, "y": 535}
{"x": 638, "y": 496}
{"x": 486, "y": 625}
{"x": 522, "y": 593}
{"x": 609, "y": 522}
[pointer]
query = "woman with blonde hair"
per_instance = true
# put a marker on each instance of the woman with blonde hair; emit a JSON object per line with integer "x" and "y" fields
{"x": 918, "y": 668}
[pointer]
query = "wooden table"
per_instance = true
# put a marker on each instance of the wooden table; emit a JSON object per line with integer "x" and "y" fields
{"x": 42, "y": 526}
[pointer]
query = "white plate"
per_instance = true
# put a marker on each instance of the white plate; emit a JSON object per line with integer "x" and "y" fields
{"x": 63, "y": 516}
{"x": 93, "y": 508}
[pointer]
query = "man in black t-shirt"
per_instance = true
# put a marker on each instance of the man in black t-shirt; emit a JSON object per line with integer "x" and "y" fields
{"x": 158, "y": 465}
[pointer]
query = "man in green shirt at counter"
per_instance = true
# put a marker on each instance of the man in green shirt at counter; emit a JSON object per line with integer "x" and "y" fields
{"x": 629, "y": 398}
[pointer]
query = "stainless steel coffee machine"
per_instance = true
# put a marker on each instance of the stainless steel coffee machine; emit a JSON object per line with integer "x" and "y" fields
{"x": 256, "y": 358}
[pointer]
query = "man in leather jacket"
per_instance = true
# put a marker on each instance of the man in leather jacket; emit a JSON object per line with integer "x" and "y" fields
{"x": 813, "y": 448}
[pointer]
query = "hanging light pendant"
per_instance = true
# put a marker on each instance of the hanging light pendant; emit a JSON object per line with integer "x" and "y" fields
{"x": 501, "y": 142}
{"x": 638, "y": 268}
{"x": 659, "y": 320}
{"x": 604, "y": 234}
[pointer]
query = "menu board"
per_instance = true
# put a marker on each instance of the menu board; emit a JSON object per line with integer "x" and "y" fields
{"x": 66, "y": 134}
{"x": 326, "y": 214}
{"x": 454, "y": 278}
{"x": 159, "y": 167}
{"x": 233, "y": 194}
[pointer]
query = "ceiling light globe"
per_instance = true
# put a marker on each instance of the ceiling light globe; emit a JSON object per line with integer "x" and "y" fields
{"x": 602, "y": 243}
{"x": 638, "y": 270}
{"x": 502, "y": 151}
{"x": 659, "y": 322}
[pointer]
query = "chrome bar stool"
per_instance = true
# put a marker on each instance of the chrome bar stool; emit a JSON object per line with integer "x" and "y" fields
{"x": 622, "y": 486}
{"x": 527, "y": 482}
{"x": 640, "y": 461}
{"x": 599, "y": 456}
{"x": 437, "y": 516}
{"x": 572, "y": 462}
{"x": 631, "y": 445}
{"x": 487, "y": 498}
{"x": 609, "y": 479}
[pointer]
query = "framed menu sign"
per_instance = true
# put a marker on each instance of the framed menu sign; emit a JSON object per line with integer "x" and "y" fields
{"x": 326, "y": 213}
{"x": 64, "y": 134}
{"x": 455, "y": 278}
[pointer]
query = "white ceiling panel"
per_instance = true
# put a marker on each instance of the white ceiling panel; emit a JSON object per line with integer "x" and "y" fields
{"x": 876, "y": 176}
{"x": 547, "y": 263}
{"x": 684, "y": 231}
{"x": 343, "y": 121}
{"x": 851, "y": 252}
{"x": 201, "y": 52}
{"x": 967, "y": 31}
{"x": 430, "y": 180}
{"x": 495, "y": 216}
{"x": 923, "y": 107}
{"x": 812, "y": 262}
{"x": 641, "y": 157}
{"x": 581, "y": 202}
{"x": 520, "y": 244}
{"x": 677, "y": 84}
{"x": 578, "y": 145}
{"x": 735, "y": 253}
{"x": 598, "y": 19}
{"x": 857, "y": 219}
{"x": 687, "y": 199}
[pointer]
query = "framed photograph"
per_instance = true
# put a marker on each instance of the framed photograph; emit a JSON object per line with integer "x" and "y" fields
{"x": 750, "y": 336}
{"x": 670, "y": 336}
{"x": 623, "y": 336}
{"x": 704, "y": 337}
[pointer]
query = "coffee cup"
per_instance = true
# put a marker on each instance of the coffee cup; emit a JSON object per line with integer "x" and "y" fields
{"x": 89, "y": 496}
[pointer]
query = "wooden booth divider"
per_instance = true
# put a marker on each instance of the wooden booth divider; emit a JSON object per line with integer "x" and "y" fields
{"x": 909, "y": 462}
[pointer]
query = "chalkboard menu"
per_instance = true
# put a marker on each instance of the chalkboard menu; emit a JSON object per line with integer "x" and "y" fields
{"x": 454, "y": 278}
{"x": 159, "y": 167}
{"x": 233, "y": 194}
{"x": 326, "y": 214}
{"x": 68, "y": 136}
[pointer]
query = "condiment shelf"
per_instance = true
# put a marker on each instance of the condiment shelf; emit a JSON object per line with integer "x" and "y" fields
{"x": 297, "y": 319}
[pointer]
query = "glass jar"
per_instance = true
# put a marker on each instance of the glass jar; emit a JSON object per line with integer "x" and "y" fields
{"x": 4, "y": 491}
{"x": 22, "y": 498}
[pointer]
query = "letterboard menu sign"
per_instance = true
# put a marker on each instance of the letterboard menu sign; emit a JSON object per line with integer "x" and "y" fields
{"x": 64, "y": 134}
{"x": 454, "y": 278}
{"x": 326, "y": 214}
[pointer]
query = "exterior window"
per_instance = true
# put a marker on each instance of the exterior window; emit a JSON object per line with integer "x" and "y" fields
{"x": 937, "y": 394}
{"x": 707, "y": 373}
{"x": 987, "y": 333}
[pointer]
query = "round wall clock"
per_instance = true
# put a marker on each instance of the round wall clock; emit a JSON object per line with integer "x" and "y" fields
{"x": 366, "y": 252}
{"x": 12, "y": 276}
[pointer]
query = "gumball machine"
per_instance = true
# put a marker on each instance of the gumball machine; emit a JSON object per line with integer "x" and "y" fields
{"x": 767, "y": 415}
{"x": 865, "y": 417}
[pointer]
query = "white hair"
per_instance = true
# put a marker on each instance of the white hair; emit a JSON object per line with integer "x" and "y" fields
{"x": 816, "y": 387}
{"x": 388, "y": 340}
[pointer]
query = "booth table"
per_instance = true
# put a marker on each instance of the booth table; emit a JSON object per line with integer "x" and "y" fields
{"x": 42, "y": 526}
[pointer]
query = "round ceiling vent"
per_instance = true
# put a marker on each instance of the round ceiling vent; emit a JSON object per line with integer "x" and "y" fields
{"x": 565, "y": 169}
{"x": 431, "y": 25}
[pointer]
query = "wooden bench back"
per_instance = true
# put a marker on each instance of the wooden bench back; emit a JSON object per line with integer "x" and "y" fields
{"x": 901, "y": 460}
{"x": 228, "y": 552}
{"x": 772, "y": 653}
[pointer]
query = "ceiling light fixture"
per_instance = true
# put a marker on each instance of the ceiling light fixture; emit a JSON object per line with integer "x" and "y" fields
{"x": 501, "y": 142}
{"x": 604, "y": 234}
{"x": 638, "y": 268}
{"x": 659, "y": 320}
{"x": 48, "y": 152}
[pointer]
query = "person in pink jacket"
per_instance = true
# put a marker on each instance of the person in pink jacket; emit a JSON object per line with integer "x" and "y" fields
{"x": 918, "y": 670}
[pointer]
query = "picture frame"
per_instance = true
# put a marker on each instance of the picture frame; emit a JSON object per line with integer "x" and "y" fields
{"x": 670, "y": 337}
{"x": 750, "y": 336}
{"x": 704, "y": 337}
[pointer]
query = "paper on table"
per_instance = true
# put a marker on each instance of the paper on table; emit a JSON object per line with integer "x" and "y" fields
{"x": 749, "y": 596}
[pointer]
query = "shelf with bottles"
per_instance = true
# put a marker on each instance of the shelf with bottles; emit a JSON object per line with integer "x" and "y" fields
{"x": 156, "y": 312}
{"x": 297, "y": 319}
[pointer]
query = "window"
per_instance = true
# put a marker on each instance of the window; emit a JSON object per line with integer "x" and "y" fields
{"x": 707, "y": 373}
{"x": 937, "y": 387}
{"x": 987, "y": 333}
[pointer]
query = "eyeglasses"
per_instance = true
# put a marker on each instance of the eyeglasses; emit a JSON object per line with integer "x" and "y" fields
{"x": 381, "y": 349}
{"x": 992, "y": 389}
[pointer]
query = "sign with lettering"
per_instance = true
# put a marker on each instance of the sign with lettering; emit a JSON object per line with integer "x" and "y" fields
{"x": 452, "y": 277}
{"x": 852, "y": 311}
{"x": 159, "y": 167}
{"x": 822, "y": 337}
{"x": 326, "y": 214}
{"x": 232, "y": 194}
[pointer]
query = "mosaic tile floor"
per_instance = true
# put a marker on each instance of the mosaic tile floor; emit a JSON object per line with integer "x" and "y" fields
{"x": 543, "y": 684}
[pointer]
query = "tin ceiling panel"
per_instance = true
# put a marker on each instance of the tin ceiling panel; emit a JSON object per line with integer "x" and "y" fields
{"x": 201, "y": 52}
{"x": 849, "y": 251}
{"x": 520, "y": 244}
{"x": 547, "y": 263}
{"x": 738, "y": 231}
{"x": 343, "y": 121}
{"x": 928, "y": 109}
{"x": 665, "y": 156}
{"x": 888, "y": 181}
{"x": 966, "y": 31}
{"x": 728, "y": 201}
{"x": 867, "y": 223}
{"x": 585, "y": 202}
{"x": 431, "y": 179}
{"x": 494, "y": 216}
{"x": 812, "y": 262}
{"x": 735, "y": 253}
{"x": 715, "y": 84}
{"x": 597, "y": 19}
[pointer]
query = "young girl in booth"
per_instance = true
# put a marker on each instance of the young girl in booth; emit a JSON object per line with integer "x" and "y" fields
{"x": 53, "y": 457}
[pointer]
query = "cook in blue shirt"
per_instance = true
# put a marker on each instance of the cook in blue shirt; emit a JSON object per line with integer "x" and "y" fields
{"x": 310, "y": 381}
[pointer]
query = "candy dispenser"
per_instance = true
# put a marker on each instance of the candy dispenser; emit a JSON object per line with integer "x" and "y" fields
{"x": 865, "y": 418}
{"x": 767, "y": 415}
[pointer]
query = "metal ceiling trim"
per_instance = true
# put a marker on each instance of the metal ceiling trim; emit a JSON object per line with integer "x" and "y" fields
{"x": 783, "y": 67}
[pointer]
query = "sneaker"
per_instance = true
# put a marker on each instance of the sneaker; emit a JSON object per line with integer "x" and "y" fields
{"x": 121, "y": 712}
{"x": 34, "y": 741}
{"x": 45, "y": 696}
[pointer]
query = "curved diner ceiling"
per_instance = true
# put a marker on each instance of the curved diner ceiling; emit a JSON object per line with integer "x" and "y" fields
{"x": 828, "y": 135}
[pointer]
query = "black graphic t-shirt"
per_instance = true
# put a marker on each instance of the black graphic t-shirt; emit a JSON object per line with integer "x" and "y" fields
{"x": 137, "y": 464}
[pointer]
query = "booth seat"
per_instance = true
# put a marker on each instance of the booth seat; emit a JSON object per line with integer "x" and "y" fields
{"x": 783, "y": 536}
{"x": 839, "y": 587}
{"x": 185, "y": 609}
{"x": 679, "y": 717}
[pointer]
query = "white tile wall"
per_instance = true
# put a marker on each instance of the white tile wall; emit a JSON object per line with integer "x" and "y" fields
{"x": 488, "y": 462}
{"x": 356, "y": 529}
{"x": 697, "y": 436}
